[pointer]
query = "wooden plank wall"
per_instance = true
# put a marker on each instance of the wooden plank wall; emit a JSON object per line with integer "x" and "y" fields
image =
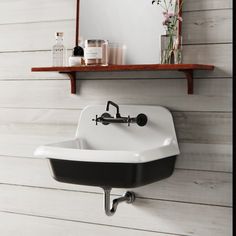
{"x": 37, "y": 108}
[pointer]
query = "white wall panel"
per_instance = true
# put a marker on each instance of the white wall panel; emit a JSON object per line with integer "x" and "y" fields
{"x": 26, "y": 225}
{"x": 146, "y": 214}
{"x": 210, "y": 95}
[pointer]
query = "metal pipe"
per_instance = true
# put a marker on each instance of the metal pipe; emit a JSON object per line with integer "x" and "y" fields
{"x": 106, "y": 118}
{"x": 128, "y": 197}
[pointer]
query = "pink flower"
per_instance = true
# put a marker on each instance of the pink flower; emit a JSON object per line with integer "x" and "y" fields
{"x": 170, "y": 15}
{"x": 167, "y": 14}
{"x": 180, "y": 18}
{"x": 164, "y": 13}
{"x": 165, "y": 22}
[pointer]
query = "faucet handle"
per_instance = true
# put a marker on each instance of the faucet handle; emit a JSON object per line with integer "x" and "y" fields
{"x": 141, "y": 119}
{"x": 129, "y": 121}
{"x": 96, "y": 120}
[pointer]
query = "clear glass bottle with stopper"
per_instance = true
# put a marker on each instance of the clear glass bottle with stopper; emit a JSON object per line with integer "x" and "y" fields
{"x": 59, "y": 51}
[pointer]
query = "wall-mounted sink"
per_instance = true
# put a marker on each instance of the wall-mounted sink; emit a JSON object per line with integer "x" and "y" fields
{"x": 120, "y": 155}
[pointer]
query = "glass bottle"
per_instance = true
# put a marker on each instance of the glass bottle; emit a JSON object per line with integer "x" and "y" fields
{"x": 59, "y": 51}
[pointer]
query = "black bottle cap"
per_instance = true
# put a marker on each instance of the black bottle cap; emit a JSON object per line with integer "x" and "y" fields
{"x": 78, "y": 51}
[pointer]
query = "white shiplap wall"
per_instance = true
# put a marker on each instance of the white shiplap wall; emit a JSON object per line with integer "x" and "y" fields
{"x": 37, "y": 108}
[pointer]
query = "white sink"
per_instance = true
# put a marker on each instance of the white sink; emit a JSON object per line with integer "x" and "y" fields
{"x": 116, "y": 155}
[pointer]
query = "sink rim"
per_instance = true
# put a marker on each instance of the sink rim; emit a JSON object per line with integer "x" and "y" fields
{"x": 58, "y": 151}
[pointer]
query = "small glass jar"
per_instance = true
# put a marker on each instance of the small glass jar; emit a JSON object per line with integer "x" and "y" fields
{"x": 116, "y": 53}
{"x": 96, "y": 52}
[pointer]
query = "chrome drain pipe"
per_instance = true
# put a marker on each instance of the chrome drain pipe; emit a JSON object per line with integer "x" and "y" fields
{"x": 128, "y": 197}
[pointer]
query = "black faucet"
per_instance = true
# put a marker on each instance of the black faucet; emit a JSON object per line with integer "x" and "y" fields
{"x": 106, "y": 118}
{"x": 116, "y": 106}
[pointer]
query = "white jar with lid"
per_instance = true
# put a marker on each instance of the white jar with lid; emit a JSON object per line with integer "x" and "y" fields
{"x": 77, "y": 58}
{"x": 96, "y": 52}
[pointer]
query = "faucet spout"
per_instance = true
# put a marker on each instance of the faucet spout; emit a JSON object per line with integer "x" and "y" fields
{"x": 116, "y": 106}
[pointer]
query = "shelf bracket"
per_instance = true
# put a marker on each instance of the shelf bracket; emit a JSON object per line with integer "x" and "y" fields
{"x": 72, "y": 77}
{"x": 189, "y": 77}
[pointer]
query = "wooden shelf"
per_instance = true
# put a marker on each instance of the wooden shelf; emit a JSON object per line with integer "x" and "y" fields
{"x": 187, "y": 69}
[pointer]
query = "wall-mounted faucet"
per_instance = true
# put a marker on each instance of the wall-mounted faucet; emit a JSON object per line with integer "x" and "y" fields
{"x": 116, "y": 106}
{"x": 106, "y": 118}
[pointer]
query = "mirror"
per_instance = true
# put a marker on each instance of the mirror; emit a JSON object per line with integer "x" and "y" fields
{"x": 133, "y": 27}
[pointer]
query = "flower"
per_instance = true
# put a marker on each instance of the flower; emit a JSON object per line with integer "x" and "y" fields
{"x": 170, "y": 13}
{"x": 180, "y": 18}
{"x": 167, "y": 18}
{"x": 170, "y": 51}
